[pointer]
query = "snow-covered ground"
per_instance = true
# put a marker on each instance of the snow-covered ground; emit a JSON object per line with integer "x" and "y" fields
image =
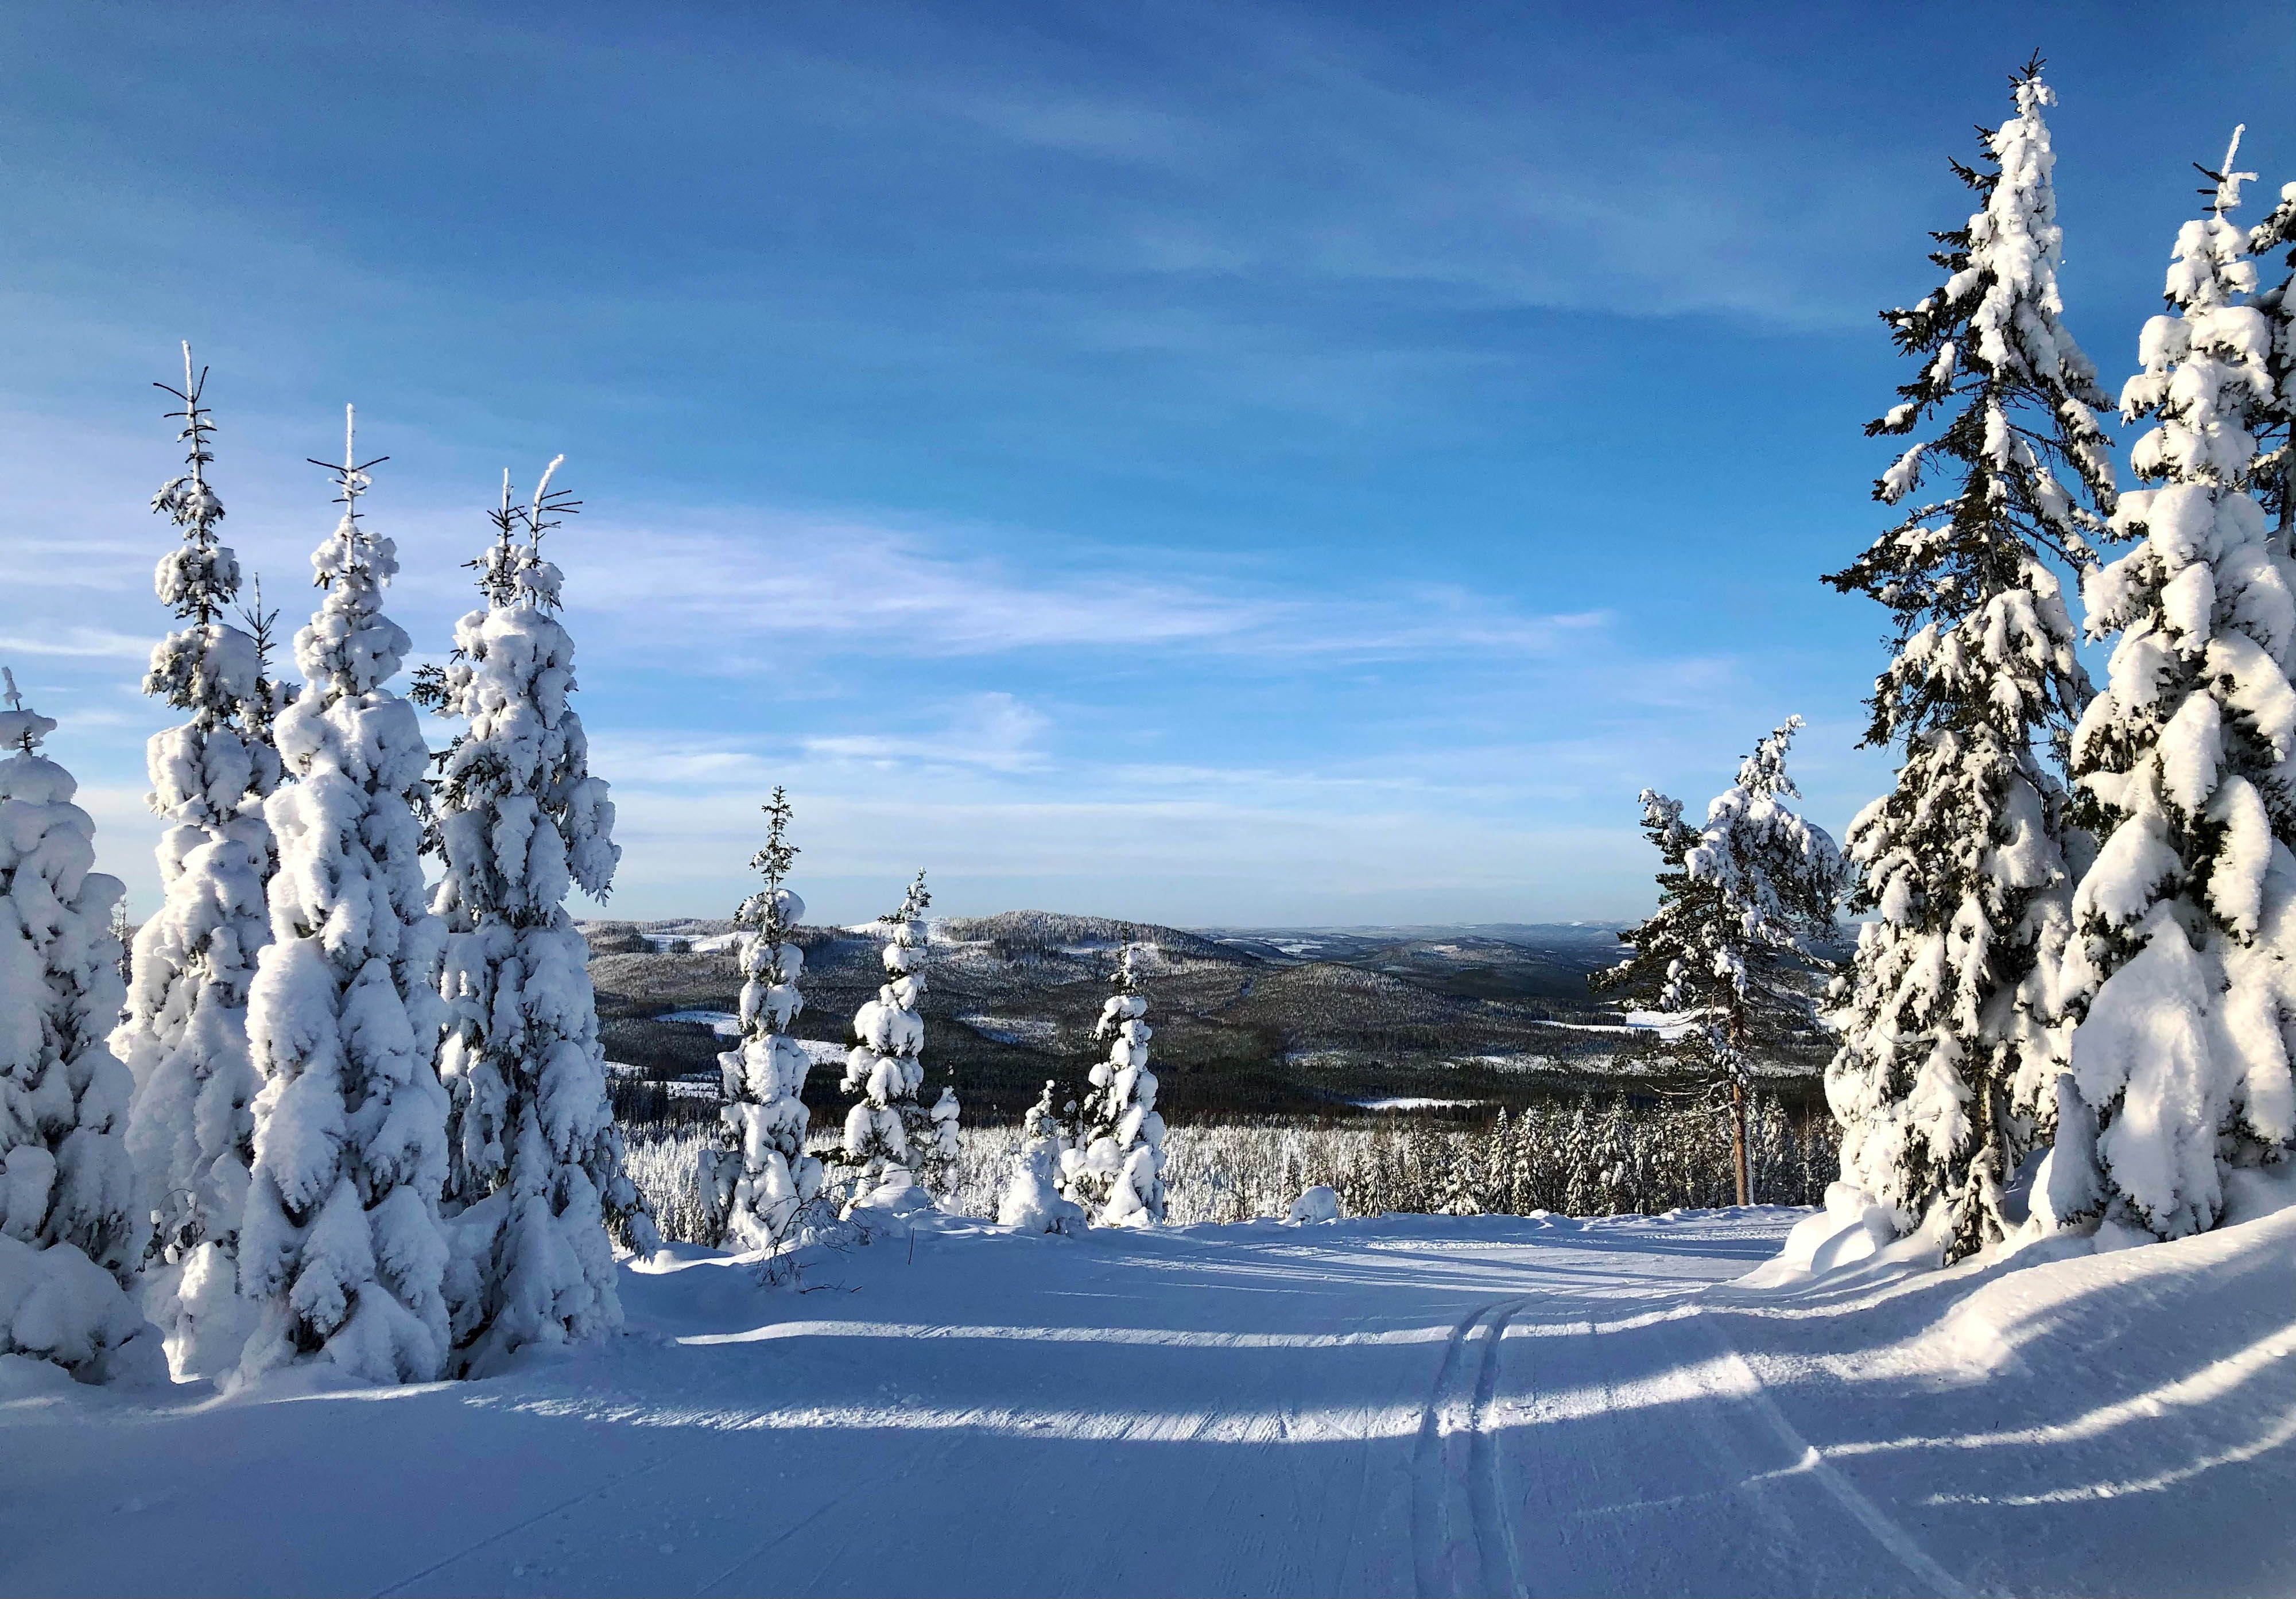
{"x": 1013, "y": 1030}
{"x": 1403, "y": 1406}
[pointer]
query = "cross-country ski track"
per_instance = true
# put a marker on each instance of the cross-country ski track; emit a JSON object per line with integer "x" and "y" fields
{"x": 1413, "y": 1406}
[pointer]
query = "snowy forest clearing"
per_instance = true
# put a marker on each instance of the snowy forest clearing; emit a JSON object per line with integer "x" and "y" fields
{"x": 1408, "y": 1404}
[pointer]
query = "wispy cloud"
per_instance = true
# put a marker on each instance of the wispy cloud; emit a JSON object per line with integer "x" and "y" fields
{"x": 882, "y": 591}
{"x": 891, "y": 592}
{"x": 1522, "y": 193}
{"x": 77, "y": 640}
{"x": 993, "y": 731}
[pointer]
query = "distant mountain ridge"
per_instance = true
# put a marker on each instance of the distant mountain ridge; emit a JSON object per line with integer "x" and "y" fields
{"x": 1056, "y": 931}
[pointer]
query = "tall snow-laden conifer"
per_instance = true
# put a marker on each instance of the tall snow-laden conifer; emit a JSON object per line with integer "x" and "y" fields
{"x": 1944, "y": 1080}
{"x": 2274, "y": 475}
{"x": 760, "y": 1176}
{"x": 1116, "y": 1172}
{"x": 535, "y": 1161}
{"x": 70, "y": 1241}
{"x": 1740, "y": 901}
{"x": 2183, "y": 970}
{"x": 185, "y": 1036}
{"x": 342, "y": 1246}
{"x": 889, "y": 1135}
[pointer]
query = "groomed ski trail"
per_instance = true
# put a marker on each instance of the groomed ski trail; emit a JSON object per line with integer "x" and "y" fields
{"x": 1407, "y": 1406}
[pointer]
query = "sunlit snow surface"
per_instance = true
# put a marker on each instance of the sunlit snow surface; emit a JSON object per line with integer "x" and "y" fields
{"x": 1407, "y": 1406}
{"x": 724, "y": 1023}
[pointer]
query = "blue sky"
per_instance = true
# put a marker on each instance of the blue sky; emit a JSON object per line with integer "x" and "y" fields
{"x": 1214, "y": 463}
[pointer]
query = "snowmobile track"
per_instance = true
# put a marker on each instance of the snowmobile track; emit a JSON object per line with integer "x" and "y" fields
{"x": 1460, "y": 1404}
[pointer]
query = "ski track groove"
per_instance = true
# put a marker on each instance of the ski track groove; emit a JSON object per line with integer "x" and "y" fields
{"x": 1428, "y": 1523}
{"x": 1879, "y": 1524}
{"x": 1434, "y": 1493}
{"x": 1487, "y": 1502}
{"x": 566, "y": 1504}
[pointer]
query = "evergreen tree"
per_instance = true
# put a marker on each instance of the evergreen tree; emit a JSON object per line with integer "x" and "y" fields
{"x": 938, "y": 1142}
{"x": 70, "y": 1242}
{"x": 2182, "y": 973}
{"x": 1740, "y": 900}
{"x": 1117, "y": 1172}
{"x": 1942, "y": 1083}
{"x": 885, "y": 1131}
{"x": 760, "y": 1176}
{"x": 1612, "y": 1154}
{"x": 2273, "y": 479}
{"x": 183, "y": 1038}
{"x": 1460, "y": 1193}
{"x": 341, "y": 1245}
{"x": 1032, "y": 1199}
{"x": 1523, "y": 1190}
{"x": 534, "y": 1158}
{"x": 1492, "y": 1163}
{"x": 1581, "y": 1194}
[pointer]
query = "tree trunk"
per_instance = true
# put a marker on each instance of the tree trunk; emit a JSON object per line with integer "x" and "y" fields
{"x": 1738, "y": 1140}
{"x": 1981, "y": 1221}
{"x": 1738, "y": 1104}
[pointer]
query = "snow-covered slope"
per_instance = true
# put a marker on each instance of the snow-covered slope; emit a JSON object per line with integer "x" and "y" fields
{"x": 1408, "y": 1404}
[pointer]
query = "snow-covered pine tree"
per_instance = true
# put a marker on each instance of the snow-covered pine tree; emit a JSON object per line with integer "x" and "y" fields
{"x": 1582, "y": 1192}
{"x": 342, "y": 1246}
{"x": 70, "y": 1242}
{"x": 2182, "y": 975}
{"x": 1943, "y": 1080}
{"x": 183, "y": 1038}
{"x": 759, "y": 1178}
{"x": 1032, "y": 1199}
{"x": 1523, "y": 1190}
{"x": 1491, "y": 1161}
{"x": 1612, "y": 1157}
{"x": 885, "y": 1131}
{"x": 1461, "y": 1193}
{"x": 1117, "y": 1171}
{"x": 1740, "y": 900}
{"x": 2273, "y": 479}
{"x": 938, "y": 1142}
{"x": 535, "y": 1161}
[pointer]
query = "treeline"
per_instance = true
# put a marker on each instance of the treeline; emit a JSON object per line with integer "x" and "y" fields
{"x": 1581, "y": 1155}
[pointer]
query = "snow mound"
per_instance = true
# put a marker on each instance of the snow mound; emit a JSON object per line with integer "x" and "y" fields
{"x": 1850, "y": 1229}
{"x": 1319, "y": 1204}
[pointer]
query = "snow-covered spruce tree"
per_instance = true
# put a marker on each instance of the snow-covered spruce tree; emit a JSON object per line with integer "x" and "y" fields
{"x": 183, "y": 1038}
{"x": 1944, "y": 1078}
{"x": 535, "y": 1161}
{"x": 939, "y": 1142}
{"x": 68, "y": 1240}
{"x": 342, "y": 1246}
{"x": 2273, "y": 478}
{"x": 757, "y": 1181}
{"x": 1462, "y": 1192}
{"x": 1032, "y": 1199}
{"x": 1740, "y": 901}
{"x": 1582, "y": 1192}
{"x": 2182, "y": 973}
{"x": 1491, "y": 1158}
{"x": 1117, "y": 1171}
{"x": 888, "y": 1133}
